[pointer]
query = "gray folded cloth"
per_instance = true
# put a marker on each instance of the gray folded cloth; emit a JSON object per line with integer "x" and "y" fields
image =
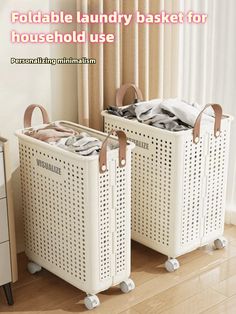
{"x": 126, "y": 112}
{"x": 173, "y": 126}
{"x": 82, "y": 144}
{"x": 167, "y": 122}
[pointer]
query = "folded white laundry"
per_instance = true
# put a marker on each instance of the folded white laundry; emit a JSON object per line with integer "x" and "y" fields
{"x": 209, "y": 111}
{"x": 184, "y": 111}
{"x": 146, "y": 110}
{"x": 89, "y": 151}
{"x": 85, "y": 141}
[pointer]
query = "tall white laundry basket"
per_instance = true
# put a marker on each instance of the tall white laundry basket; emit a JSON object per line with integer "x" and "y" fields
{"x": 178, "y": 183}
{"x": 77, "y": 211}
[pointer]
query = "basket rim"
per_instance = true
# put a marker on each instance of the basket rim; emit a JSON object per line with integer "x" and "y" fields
{"x": 20, "y": 134}
{"x": 147, "y": 127}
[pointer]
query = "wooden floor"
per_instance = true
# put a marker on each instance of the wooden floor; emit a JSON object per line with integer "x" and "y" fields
{"x": 205, "y": 283}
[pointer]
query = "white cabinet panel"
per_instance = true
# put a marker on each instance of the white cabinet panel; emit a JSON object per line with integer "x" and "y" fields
{"x": 5, "y": 264}
{"x": 2, "y": 177}
{"x": 3, "y": 221}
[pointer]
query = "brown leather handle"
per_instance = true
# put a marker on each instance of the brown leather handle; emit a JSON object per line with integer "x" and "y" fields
{"x": 122, "y": 150}
{"x": 29, "y": 112}
{"x": 120, "y": 94}
{"x": 218, "y": 115}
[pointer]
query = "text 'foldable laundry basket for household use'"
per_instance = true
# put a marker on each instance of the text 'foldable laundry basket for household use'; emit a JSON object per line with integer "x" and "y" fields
{"x": 178, "y": 182}
{"x": 77, "y": 210}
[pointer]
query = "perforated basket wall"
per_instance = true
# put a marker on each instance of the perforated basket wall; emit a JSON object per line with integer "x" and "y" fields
{"x": 77, "y": 221}
{"x": 54, "y": 211}
{"x": 178, "y": 187}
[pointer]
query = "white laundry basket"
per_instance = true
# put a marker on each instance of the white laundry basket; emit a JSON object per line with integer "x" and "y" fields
{"x": 77, "y": 211}
{"x": 178, "y": 184}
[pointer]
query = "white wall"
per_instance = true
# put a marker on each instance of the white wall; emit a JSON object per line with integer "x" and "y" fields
{"x": 21, "y": 85}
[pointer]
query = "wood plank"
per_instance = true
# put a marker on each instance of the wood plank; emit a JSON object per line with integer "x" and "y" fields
{"x": 227, "y": 307}
{"x": 233, "y": 242}
{"x": 182, "y": 291}
{"x": 219, "y": 273}
{"x": 148, "y": 263}
{"x": 44, "y": 295}
{"x": 230, "y": 233}
{"x": 130, "y": 311}
{"x": 197, "y": 303}
{"x": 170, "y": 297}
{"x": 226, "y": 287}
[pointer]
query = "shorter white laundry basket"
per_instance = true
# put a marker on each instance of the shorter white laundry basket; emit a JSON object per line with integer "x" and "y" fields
{"x": 77, "y": 210}
{"x": 178, "y": 182}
